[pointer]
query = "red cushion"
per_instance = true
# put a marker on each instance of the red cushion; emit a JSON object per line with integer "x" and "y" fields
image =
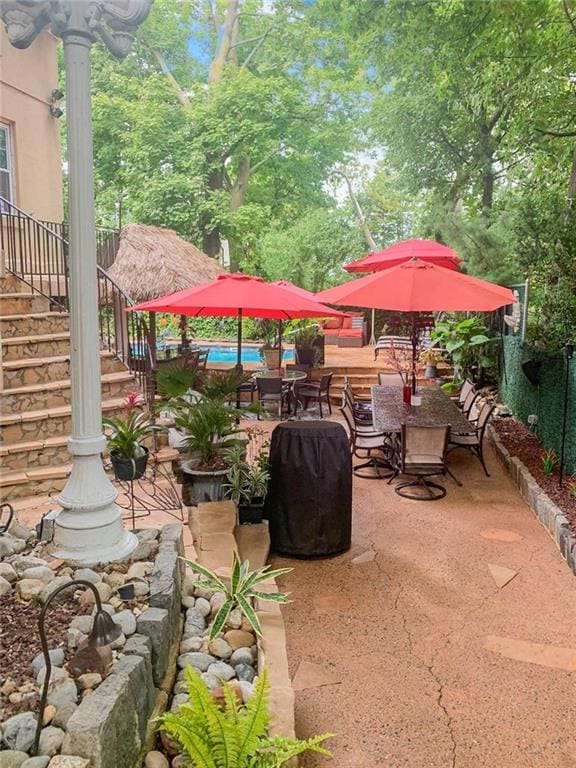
{"x": 350, "y": 332}
{"x": 347, "y": 322}
{"x": 335, "y": 323}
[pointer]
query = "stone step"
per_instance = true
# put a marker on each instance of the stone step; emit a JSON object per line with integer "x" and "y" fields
{"x": 57, "y": 393}
{"x": 11, "y": 284}
{"x": 18, "y": 457}
{"x": 35, "y": 324}
{"x": 32, "y": 482}
{"x": 46, "y": 345}
{"x": 15, "y": 303}
{"x": 49, "y": 422}
{"x": 21, "y": 373}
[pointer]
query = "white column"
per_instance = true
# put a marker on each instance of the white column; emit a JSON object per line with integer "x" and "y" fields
{"x": 89, "y": 528}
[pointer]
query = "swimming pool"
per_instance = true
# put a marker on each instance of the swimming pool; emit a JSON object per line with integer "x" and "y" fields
{"x": 250, "y": 354}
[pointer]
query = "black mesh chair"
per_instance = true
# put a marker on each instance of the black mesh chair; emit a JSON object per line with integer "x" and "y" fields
{"x": 296, "y": 385}
{"x": 362, "y": 409}
{"x": 422, "y": 455}
{"x": 369, "y": 444}
{"x": 272, "y": 390}
{"x": 474, "y": 443}
{"x": 316, "y": 391}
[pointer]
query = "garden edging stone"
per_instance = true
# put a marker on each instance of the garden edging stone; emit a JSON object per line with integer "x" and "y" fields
{"x": 549, "y": 515}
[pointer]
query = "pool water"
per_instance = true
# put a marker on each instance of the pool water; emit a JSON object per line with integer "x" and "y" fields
{"x": 250, "y": 354}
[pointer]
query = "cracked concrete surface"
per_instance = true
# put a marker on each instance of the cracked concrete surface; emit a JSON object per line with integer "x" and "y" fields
{"x": 406, "y": 633}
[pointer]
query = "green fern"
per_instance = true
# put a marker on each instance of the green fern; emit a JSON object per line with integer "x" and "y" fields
{"x": 235, "y": 736}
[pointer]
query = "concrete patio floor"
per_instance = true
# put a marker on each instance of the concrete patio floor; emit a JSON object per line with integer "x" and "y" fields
{"x": 445, "y": 638}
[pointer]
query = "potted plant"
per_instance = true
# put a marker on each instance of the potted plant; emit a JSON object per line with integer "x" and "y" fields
{"x": 267, "y": 330}
{"x": 128, "y": 455}
{"x": 466, "y": 341}
{"x": 307, "y": 341}
{"x": 209, "y": 428}
{"x": 247, "y": 483}
{"x": 431, "y": 357}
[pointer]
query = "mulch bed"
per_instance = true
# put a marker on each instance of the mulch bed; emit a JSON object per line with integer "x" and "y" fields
{"x": 20, "y": 640}
{"x": 520, "y": 442}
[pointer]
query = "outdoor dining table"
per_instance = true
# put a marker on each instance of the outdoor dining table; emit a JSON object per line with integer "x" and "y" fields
{"x": 288, "y": 377}
{"x": 389, "y": 411}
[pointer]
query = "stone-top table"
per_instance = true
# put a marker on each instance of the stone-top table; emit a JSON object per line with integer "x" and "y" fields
{"x": 437, "y": 409}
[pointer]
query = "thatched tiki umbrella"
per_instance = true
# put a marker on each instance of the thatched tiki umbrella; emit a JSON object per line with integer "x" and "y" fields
{"x": 152, "y": 261}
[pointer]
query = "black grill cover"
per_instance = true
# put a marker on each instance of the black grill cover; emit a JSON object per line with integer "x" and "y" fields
{"x": 309, "y": 501}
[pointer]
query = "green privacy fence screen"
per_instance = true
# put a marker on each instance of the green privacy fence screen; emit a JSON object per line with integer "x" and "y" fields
{"x": 545, "y": 399}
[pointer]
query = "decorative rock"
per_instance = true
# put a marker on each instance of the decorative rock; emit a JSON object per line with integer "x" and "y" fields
{"x": 8, "y": 687}
{"x": 18, "y": 545}
{"x": 195, "y": 618}
{"x": 89, "y": 680}
{"x": 6, "y": 547}
{"x": 139, "y": 570}
{"x": 36, "y": 762}
{"x": 56, "y": 657}
{"x": 87, "y": 574}
{"x": 234, "y": 619}
{"x": 48, "y": 715}
{"x": 241, "y": 656}
{"x": 178, "y": 700}
{"x": 7, "y": 572}
{"x": 51, "y": 739}
{"x": 189, "y": 585}
{"x": 64, "y": 714}
{"x": 105, "y": 592}
{"x": 200, "y": 661}
{"x": 68, "y": 761}
{"x": 147, "y": 534}
{"x": 120, "y": 642}
{"x": 238, "y": 638}
{"x": 217, "y": 599}
{"x": 191, "y": 644}
{"x": 141, "y": 588}
{"x": 204, "y": 592}
{"x": 56, "y": 674}
{"x": 146, "y": 550}
{"x": 211, "y": 681}
{"x": 18, "y": 731}
{"x": 171, "y": 746}
{"x": 220, "y": 648}
{"x": 203, "y": 606}
{"x": 156, "y": 760}
{"x": 20, "y": 564}
{"x": 58, "y": 582}
{"x": 62, "y": 692}
{"x": 221, "y": 670}
{"x": 181, "y": 687}
{"x": 73, "y": 638}
{"x": 179, "y": 761}
{"x": 245, "y": 672}
{"x": 12, "y": 759}
{"x": 29, "y": 589}
{"x": 114, "y": 579}
{"x": 188, "y": 601}
{"x": 247, "y": 689}
{"x": 5, "y": 586}
{"x": 83, "y": 623}
{"x": 39, "y": 572}
{"x": 127, "y": 621}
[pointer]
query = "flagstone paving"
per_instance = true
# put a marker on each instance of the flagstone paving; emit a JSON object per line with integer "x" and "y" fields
{"x": 445, "y": 638}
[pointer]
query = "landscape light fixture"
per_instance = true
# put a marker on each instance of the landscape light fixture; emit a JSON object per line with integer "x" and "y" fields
{"x": 104, "y": 631}
{"x": 55, "y": 97}
{"x": 568, "y": 355}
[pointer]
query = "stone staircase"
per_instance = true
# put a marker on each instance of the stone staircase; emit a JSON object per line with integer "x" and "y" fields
{"x": 35, "y": 420}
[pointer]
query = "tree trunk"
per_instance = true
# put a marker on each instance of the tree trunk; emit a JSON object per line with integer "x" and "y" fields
{"x": 229, "y": 39}
{"x": 238, "y": 192}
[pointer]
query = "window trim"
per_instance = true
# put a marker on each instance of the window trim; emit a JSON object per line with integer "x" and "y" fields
{"x": 11, "y": 169}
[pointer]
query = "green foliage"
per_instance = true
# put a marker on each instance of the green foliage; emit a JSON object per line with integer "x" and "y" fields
{"x": 234, "y": 736}
{"x": 221, "y": 385}
{"x": 467, "y": 343}
{"x": 209, "y": 426}
{"x": 246, "y": 481}
{"x": 127, "y": 433}
{"x": 549, "y": 461}
{"x": 267, "y": 331}
{"x": 240, "y": 592}
{"x": 174, "y": 380}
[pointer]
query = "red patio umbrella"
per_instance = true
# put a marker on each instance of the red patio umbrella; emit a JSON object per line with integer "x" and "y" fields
{"x": 296, "y": 289}
{"x": 416, "y": 286}
{"x": 238, "y": 295}
{"x": 427, "y": 250}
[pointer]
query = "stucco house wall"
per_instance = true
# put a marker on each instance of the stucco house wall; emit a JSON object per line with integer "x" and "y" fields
{"x": 27, "y": 78}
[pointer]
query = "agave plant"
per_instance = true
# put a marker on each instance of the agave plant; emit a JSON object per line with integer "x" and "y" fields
{"x": 126, "y": 433}
{"x": 240, "y": 591}
{"x": 235, "y": 736}
{"x": 549, "y": 462}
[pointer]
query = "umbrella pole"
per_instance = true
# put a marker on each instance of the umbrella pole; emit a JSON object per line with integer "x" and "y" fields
{"x": 414, "y": 348}
{"x": 279, "y": 343}
{"x": 239, "y": 355}
{"x": 152, "y": 329}
{"x": 372, "y": 334}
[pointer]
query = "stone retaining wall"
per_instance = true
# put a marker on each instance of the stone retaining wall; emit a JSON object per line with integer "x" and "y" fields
{"x": 550, "y": 515}
{"x": 111, "y": 727}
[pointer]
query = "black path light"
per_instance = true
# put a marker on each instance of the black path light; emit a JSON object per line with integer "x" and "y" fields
{"x": 104, "y": 631}
{"x": 568, "y": 355}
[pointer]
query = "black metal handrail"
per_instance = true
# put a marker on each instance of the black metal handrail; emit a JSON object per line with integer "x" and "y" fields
{"x": 37, "y": 253}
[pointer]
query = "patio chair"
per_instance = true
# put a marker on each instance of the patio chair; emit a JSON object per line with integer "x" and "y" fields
{"x": 467, "y": 387}
{"x": 362, "y": 409}
{"x": 392, "y": 342}
{"x": 367, "y": 443}
{"x": 316, "y": 391}
{"x": 422, "y": 454}
{"x": 469, "y": 402}
{"x": 390, "y": 379}
{"x": 203, "y": 358}
{"x": 474, "y": 443}
{"x": 294, "y": 386}
{"x": 272, "y": 390}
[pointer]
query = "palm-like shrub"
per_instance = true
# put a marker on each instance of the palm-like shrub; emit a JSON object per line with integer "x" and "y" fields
{"x": 235, "y": 736}
{"x": 240, "y": 592}
{"x": 209, "y": 426}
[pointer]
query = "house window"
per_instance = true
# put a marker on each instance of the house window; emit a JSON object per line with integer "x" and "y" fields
{"x": 6, "y": 167}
